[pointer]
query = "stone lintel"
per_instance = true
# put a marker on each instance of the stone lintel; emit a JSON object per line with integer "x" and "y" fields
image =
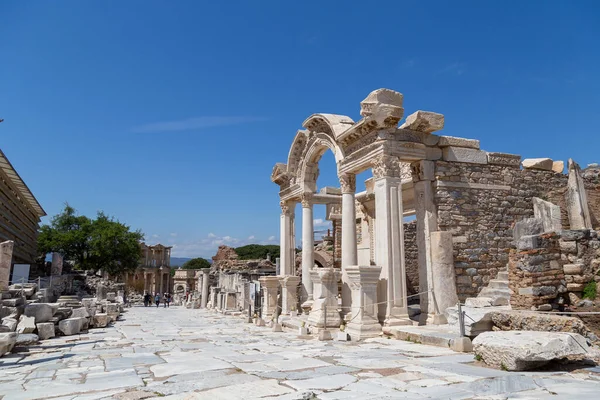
{"x": 446, "y": 141}
{"x": 512, "y": 160}
{"x": 465, "y": 155}
{"x": 424, "y": 121}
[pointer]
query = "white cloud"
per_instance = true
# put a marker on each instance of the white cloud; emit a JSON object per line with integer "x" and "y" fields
{"x": 271, "y": 238}
{"x": 174, "y": 234}
{"x": 251, "y": 237}
{"x": 211, "y": 235}
{"x": 321, "y": 222}
{"x": 195, "y": 123}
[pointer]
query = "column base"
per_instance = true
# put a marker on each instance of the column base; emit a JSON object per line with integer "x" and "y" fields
{"x": 432, "y": 319}
{"x": 324, "y": 334}
{"x": 317, "y": 316}
{"x": 363, "y": 330}
{"x": 307, "y": 306}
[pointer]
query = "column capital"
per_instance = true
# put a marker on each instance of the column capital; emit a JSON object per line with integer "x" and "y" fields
{"x": 385, "y": 166}
{"x": 285, "y": 207}
{"x": 306, "y": 199}
{"x": 348, "y": 182}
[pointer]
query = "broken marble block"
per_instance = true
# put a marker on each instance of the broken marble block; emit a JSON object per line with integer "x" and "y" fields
{"x": 26, "y": 324}
{"x": 80, "y": 312}
{"x": 476, "y": 320}
{"x": 45, "y": 330}
{"x": 70, "y": 326}
{"x": 523, "y": 350}
{"x": 111, "y": 296}
{"x": 10, "y": 323}
{"x": 100, "y": 320}
{"x": 26, "y": 339}
{"x": 42, "y": 312}
{"x": 7, "y": 342}
{"x": 538, "y": 163}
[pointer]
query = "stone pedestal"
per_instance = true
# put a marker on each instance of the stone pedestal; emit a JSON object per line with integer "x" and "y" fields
{"x": 289, "y": 294}
{"x": 268, "y": 286}
{"x": 6, "y": 255}
{"x": 324, "y": 312}
{"x": 363, "y": 283}
{"x": 444, "y": 278}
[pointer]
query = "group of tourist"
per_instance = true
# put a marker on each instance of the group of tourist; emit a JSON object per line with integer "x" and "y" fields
{"x": 166, "y": 299}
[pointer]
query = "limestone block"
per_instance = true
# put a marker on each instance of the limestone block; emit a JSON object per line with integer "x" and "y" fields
{"x": 112, "y": 309}
{"x": 11, "y": 323}
{"x": 569, "y": 247}
{"x": 446, "y": 141}
{"x": 544, "y": 164}
{"x": 16, "y": 302}
{"x": 513, "y": 160}
{"x": 111, "y": 296}
{"x": 465, "y": 155}
{"x": 523, "y": 350}
{"x": 573, "y": 269}
{"x": 26, "y": 339}
{"x": 27, "y": 289}
{"x": 7, "y": 342}
{"x": 558, "y": 166}
{"x": 63, "y": 313}
{"x": 100, "y": 320}
{"x": 477, "y": 320}
{"x": 26, "y": 324}
{"x": 81, "y": 312}
{"x": 575, "y": 287}
{"x": 45, "y": 330}
{"x": 461, "y": 344}
{"x": 548, "y": 213}
{"x": 42, "y": 312}
{"x": 424, "y": 121}
{"x": 70, "y": 326}
{"x": 527, "y": 227}
{"x": 478, "y": 302}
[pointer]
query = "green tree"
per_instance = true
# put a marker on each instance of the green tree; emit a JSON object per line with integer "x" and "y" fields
{"x": 103, "y": 243}
{"x": 196, "y": 263}
{"x": 257, "y": 251}
{"x": 114, "y": 248}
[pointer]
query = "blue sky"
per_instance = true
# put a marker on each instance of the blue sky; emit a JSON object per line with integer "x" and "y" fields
{"x": 171, "y": 115}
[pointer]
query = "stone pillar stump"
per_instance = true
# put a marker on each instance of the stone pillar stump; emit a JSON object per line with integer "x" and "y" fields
{"x": 6, "y": 255}
{"x": 363, "y": 283}
{"x": 326, "y": 279}
{"x": 269, "y": 286}
{"x": 444, "y": 279}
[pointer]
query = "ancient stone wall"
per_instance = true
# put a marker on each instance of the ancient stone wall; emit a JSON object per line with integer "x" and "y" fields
{"x": 480, "y": 203}
{"x": 550, "y": 270}
{"x": 536, "y": 274}
{"x": 411, "y": 257}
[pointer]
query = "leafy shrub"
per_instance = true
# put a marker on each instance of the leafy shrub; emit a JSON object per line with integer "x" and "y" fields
{"x": 589, "y": 291}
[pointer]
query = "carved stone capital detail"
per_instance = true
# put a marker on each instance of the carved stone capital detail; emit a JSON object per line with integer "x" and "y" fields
{"x": 385, "y": 166}
{"x": 285, "y": 207}
{"x": 348, "y": 183}
{"x": 306, "y": 199}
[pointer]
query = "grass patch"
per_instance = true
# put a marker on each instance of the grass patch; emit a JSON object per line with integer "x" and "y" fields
{"x": 589, "y": 291}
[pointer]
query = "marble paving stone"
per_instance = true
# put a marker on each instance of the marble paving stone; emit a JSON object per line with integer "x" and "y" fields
{"x": 331, "y": 382}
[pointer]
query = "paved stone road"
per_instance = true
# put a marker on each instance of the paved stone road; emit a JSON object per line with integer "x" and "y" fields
{"x": 195, "y": 354}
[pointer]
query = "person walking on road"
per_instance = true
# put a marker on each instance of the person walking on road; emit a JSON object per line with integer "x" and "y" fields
{"x": 157, "y": 300}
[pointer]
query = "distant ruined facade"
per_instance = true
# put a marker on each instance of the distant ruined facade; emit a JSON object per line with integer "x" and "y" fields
{"x": 153, "y": 274}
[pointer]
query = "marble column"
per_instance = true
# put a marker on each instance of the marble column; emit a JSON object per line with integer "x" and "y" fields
{"x": 308, "y": 247}
{"x": 444, "y": 276}
{"x": 326, "y": 303}
{"x": 285, "y": 237}
{"x": 576, "y": 198}
{"x": 389, "y": 246}
{"x": 363, "y": 283}
{"x": 349, "y": 245}
{"x": 289, "y": 294}
{"x": 6, "y": 256}
{"x": 269, "y": 285}
{"x": 162, "y": 280}
{"x": 205, "y": 279}
{"x": 424, "y": 174}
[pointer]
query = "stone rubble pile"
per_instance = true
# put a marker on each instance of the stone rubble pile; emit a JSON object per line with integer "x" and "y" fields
{"x": 26, "y": 318}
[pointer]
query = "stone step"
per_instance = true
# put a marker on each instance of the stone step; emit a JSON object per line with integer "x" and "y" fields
{"x": 503, "y": 275}
{"x": 498, "y": 284}
{"x": 494, "y": 292}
